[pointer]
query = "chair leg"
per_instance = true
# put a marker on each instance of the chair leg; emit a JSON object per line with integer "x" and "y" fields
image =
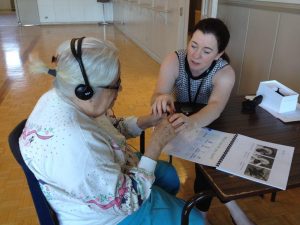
{"x": 142, "y": 142}
{"x": 191, "y": 203}
{"x": 262, "y": 195}
{"x": 273, "y": 196}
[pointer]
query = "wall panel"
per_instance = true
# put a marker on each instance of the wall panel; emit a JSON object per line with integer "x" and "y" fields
{"x": 260, "y": 40}
{"x": 154, "y": 25}
{"x": 237, "y": 21}
{"x": 270, "y": 33}
{"x": 286, "y": 63}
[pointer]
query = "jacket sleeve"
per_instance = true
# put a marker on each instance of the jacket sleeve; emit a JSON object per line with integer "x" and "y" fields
{"x": 127, "y": 126}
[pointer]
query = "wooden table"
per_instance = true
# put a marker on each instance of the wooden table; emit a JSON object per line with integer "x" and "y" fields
{"x": 260, "y": 125}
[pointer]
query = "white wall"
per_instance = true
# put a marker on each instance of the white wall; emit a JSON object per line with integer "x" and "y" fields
{"x": 5, "y": 5}
{"x": 73, "y": 11}
{"x": 264, "y": 43}
{"x": 280, "y": 1}
{"x": 157, "y": 26}
{"x": 27, "y": 12}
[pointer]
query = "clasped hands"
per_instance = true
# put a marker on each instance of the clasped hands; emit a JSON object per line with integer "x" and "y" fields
{"x": 166, "y": 122}
{"x": 164, "y": 105}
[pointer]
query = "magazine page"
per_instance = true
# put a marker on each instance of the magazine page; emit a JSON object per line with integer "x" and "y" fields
{"x": 200, "y": 145}
{"x": 259, "y": 161}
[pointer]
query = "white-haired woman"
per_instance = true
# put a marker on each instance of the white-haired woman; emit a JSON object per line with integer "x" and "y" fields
{"x": 79, "y": 153}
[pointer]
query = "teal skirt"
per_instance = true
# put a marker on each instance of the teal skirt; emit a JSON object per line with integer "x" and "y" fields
{"x": 163, "y": 207}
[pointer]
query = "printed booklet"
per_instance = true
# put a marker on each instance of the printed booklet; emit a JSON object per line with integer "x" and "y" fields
{"x": 264, "y": 162}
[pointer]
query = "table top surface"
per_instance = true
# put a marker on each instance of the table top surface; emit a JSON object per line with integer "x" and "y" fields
{"x": 260, "y": 125}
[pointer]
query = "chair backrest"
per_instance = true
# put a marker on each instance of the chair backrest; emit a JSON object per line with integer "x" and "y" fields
{"x": 45, "y": 214}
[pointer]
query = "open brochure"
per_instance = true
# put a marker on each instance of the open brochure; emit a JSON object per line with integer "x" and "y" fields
{"x": 253, "y": 159}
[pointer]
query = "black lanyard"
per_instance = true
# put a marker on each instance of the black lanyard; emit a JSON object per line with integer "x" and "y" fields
{"x": 204, "y": 74}
{"x": 197, "y": 93}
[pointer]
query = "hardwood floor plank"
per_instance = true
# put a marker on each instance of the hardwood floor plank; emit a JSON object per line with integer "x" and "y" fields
{"x": 4, "y": 88}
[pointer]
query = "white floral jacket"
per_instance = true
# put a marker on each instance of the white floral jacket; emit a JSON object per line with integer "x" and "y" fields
{"x": 85, "y": 169}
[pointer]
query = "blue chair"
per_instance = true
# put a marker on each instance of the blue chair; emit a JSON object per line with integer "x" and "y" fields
{"x": 45, "y": 214}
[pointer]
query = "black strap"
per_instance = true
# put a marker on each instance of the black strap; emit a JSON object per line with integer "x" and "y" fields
{"x": 197, "y": 93}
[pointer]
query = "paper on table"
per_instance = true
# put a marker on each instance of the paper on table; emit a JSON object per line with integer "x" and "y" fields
{"x": 285, "y": 117}
{"x": 200, "y": 145}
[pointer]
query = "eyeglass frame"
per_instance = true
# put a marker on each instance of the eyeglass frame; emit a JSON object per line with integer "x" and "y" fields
{"x": 116, "y": 86}
{"x": 111, "y": 87}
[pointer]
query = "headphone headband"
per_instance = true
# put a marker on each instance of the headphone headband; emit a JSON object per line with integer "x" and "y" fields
{"x": 82, "y": 91}
{"x": 77, "y": 55}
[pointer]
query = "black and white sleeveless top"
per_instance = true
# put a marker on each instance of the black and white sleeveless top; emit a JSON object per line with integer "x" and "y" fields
{"x": 181, "y": 89}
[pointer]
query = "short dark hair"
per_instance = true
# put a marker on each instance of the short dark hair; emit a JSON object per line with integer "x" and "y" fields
{"x": 217, "y": 28}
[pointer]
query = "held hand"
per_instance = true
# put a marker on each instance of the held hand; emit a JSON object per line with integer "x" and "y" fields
{"x": 163, "y": 103}
{"x": 155, "y": 119}
{"x": 180, "y": 122}
{"x": 161, "y": 135}
{"x": 150, "y": 120}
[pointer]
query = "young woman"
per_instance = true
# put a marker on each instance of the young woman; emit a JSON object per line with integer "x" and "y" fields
{"x": 200, "y": 74}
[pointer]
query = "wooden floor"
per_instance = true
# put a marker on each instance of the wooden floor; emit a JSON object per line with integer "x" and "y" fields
{"x": 19, "y": 92}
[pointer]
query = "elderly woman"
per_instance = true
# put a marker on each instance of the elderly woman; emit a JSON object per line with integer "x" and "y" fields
{"x": 79, "y": 153}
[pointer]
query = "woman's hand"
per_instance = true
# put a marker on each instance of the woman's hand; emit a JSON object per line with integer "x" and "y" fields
{"x": 161, "y": 135}
{"x": 163, "y": 103}
{"x": 180, "y": 122}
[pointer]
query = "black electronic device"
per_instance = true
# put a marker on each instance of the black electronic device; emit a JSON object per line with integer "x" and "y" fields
{"x": 249, "y": 106}
{"x": 186, "y": 108}
{"x": 82, "y": 91}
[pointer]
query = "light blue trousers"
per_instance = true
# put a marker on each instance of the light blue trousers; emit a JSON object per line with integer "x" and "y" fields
{"x": 162, "y": 207}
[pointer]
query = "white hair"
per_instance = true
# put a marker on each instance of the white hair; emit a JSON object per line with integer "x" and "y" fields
{"x": 100, "y": 59}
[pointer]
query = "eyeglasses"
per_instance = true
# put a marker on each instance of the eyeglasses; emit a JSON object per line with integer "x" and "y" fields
{"x": 116, "y": 86}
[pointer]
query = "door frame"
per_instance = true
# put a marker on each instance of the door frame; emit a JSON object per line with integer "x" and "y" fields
{"x": 17, "y": 12}
{"x": 27, "y": 12}
{"x": 209, "y": 8}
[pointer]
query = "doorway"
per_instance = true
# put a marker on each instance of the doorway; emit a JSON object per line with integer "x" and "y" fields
{"x": 8, "y": 15}
{"x": 194, "y": 14}
{"x": 27, "y": 12}
{"x": 199, "y": 9}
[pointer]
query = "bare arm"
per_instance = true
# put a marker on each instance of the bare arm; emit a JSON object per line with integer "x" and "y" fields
{"x": 162, "y": 99}
{"x": 223, "y": 83}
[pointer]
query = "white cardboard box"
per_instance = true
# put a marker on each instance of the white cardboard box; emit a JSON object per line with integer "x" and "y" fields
{"x": 286, "y": 101}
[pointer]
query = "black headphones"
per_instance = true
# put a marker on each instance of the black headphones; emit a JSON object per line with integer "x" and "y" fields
{"x": 82, "y": 91}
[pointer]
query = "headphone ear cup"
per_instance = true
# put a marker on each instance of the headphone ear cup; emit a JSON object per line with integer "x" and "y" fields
{"x": 84, "y": 92}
